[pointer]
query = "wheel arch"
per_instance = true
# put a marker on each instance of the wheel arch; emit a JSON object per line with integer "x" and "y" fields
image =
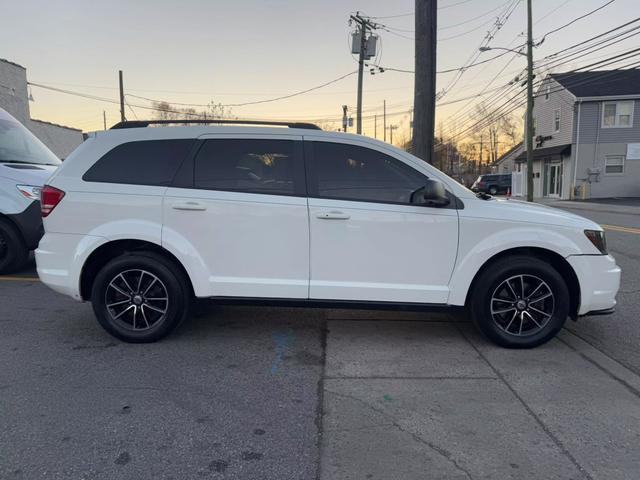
{"x": 556, "y": 260}
{"x": 114, "y": 248}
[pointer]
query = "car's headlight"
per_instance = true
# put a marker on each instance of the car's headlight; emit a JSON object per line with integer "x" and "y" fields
{"x": 29, "y": 191}
{"x": 598, "y": 239}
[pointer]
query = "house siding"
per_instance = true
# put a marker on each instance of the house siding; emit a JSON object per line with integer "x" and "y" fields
{"x": 596, "y": 143}
{"x": 591, "y": 130}
{"x": 544, "y": 110}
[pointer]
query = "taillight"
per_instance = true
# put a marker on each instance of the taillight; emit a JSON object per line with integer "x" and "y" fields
{"x": 49, "y": 198}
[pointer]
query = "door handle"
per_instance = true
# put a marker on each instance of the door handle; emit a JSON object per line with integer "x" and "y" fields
{"x": 333, "y": 215}
{"x": 197, "y": 206}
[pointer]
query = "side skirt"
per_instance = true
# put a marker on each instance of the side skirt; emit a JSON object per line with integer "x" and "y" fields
{"x": 350, "y": 304}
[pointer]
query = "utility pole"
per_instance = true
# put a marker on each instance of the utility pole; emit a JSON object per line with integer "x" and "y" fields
{"x": 363, "y": 26}
{"x": 529, "y": 105}
{"x": 104, "y": 119}
{"x": 122, "y": 117}
{"x": 391, "y": 129}
{"x": 345, "y": 119}
{"x": 424, "y": 95}
{"x": 375, "y": 126}
{"x": 480, "y": 161}
{"x": 384, "y": 117}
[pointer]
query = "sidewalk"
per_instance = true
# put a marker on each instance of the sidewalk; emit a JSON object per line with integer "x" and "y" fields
{"x": 629, "y": 206}
{"x": 433, "y": 400}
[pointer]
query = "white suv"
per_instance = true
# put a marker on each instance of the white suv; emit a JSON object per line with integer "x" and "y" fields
{"x": 139, "y": 220}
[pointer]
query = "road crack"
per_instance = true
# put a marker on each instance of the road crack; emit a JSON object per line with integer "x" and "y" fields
{"x": 392, "y": 422}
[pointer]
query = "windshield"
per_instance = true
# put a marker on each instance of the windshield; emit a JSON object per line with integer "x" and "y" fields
{"x": 19, "y": 145}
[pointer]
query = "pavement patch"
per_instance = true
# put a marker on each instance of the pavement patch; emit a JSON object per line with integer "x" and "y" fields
{"x": 396, "y": 349}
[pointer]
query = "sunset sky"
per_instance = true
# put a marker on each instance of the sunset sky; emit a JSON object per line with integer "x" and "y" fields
{"x": 196, "y": 51}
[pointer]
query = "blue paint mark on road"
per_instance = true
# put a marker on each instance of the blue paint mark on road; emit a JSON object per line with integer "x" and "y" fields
{"x": 283, "y": 341}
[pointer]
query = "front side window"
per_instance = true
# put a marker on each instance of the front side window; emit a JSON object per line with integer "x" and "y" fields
{"x": 350, "y": 172}
{"x": 248, "y": 165}
{"x": 614, "y": 164}
{"x": 146, "y": 162}
{"x": 617, "y": 114}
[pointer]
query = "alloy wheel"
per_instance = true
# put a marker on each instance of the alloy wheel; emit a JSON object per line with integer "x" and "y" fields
{"x": 137, "y": 299}
{"x": 522, "y": 305}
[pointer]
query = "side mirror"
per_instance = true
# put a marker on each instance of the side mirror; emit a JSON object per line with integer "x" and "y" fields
{"x": 433, "y": 194}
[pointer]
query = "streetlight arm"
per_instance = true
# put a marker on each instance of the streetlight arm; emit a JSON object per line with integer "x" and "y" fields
{"x": 486, "y": 49}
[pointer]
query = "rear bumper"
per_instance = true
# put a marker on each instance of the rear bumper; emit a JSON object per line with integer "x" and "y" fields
{"x": 599, "y": 279}
{"x": 59, "y": 261}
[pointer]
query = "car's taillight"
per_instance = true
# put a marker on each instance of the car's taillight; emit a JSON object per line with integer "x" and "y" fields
{"x": 49, "y": 198}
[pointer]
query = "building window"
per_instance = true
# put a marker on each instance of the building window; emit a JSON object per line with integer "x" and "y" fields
{"x": 617, "y": 114}
{"x": 547, "y": 92}
{"x": 535, "y": 125}
{"x": 556, "y": 120}
{"x": 614, "y": 164}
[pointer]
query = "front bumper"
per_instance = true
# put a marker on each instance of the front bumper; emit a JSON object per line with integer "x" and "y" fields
{"x": 599, "y": 279}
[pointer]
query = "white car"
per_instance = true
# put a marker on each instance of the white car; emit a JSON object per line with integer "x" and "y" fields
{"x": 139, "y": 220}
{"x": 25, "y": 165}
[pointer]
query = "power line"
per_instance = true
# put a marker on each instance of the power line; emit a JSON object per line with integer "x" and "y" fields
{"x": 574, "y": 21}
{"x": 444, "y": 7}
{"x": 255, "y": 102}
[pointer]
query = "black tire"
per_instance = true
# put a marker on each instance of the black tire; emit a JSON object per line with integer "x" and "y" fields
{"x": 169, "y": 279}
{"x": 528, "y": 273}
{"x": 493, "y": 190}
{"x": 13, "y": 252}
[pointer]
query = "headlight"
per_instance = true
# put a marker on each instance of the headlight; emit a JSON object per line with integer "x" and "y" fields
{"x": 29, "y": 191}
{"x": 597, "y": 238}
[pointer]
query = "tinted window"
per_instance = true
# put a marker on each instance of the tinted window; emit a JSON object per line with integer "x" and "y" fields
{"x": 248, "y": 165}
{"x": 356, "y": 173}
{"x": 150, "y": 162}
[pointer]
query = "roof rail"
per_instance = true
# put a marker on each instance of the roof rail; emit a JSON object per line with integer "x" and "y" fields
{"x": 146, "y": 123}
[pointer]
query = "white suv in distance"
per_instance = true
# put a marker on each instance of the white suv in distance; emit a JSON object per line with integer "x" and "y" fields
{"x": 139, "y": 220}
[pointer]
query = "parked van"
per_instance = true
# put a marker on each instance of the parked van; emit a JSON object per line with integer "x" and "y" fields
{"x": 140, "y": 220}
{"x": 25, "y": 165}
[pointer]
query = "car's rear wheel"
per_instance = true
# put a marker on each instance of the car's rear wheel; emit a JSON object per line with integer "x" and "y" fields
{"x": 13, "y": 252}
{"x": 520, "y": 302}
{"x": 140, "y": 297}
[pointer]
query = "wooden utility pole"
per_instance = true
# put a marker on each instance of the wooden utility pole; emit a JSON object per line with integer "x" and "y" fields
{"x": 375, "y": 126}
{"x": 529, "y": 133}
{"x": 384, "y": 119}
{"x": 363, "y": 26}
{"x": 122, "y": 116}
{"x": 104, "y": 119}
{"x": 345, "y": 118}
{"x": 391, "y": 129}
{"x": 424, "y": 96}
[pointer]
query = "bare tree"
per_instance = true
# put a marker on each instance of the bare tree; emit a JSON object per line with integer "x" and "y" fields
{"x": 167, "y": 111}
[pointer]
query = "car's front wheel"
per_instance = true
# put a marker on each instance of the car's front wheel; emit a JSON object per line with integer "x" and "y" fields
{"x": 140, "y": 297}
{"x": 520, "y": 302}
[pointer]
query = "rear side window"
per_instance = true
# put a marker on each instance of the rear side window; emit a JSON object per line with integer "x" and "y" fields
{"x": 149, "y": 162}
{"x": 351, "y": 172}
{"x": 250, "y": 165}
